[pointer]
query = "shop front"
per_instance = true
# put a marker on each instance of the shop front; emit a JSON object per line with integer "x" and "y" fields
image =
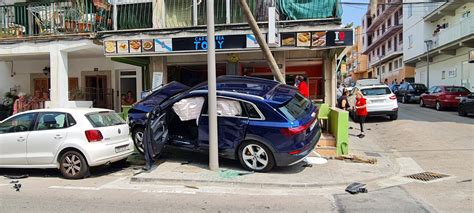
{"x": 183, "y": 59}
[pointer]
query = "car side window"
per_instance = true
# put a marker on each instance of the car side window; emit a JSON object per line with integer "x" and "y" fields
{"x": 70, "y": 120}
{"x": 437, "y": 90}
{"x": 431, "y": 90}
{"x": 228, "y": 107}
{"x": 251, "y": 111}
{"x": 20, "y": 123}
{"x": 51, "y": 120}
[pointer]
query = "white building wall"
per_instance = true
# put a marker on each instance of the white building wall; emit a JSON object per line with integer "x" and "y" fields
{"x": 415, "y": 29}
{"x": 464, "y": 72}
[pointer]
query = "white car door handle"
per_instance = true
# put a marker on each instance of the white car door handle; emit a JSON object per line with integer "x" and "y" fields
{"x": 58, "y": 137}
{"x": 21, "y": 139}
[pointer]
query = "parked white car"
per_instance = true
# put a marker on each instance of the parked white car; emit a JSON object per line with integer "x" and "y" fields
{"x": 380, "y": 100}
{"x": 71, "y": 140}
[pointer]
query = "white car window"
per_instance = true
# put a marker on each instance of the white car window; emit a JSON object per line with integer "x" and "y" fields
{"x": 20, "y": 123}
{"x": 51, "y": 120}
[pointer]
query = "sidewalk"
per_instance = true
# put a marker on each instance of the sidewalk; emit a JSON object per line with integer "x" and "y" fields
{"x": 178, "y": 167}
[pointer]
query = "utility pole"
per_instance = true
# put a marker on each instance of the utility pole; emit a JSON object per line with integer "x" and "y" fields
{"x": 428, "y": 46}
{"x": 261, "y": 41}
{"x": 211, "y": 84}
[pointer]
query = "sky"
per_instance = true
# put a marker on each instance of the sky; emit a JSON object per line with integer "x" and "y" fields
{"x": 353, "y": 13}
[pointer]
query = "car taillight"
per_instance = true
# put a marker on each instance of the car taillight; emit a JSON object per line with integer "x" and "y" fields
{"x": 94, "y": 135}
{"x": 296, "y": 130}
{"x": 393, "y": 97}
{"x": 295, "y": 152}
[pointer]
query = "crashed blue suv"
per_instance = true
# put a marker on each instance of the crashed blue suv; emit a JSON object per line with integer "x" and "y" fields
{"x": 262, "y": 123}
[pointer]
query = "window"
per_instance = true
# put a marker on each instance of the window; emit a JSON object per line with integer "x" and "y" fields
{"x": 400, "y": 62}
{"x": 227, "y": 107}
{"x": 410, "y": 41}
{"x": 443, "y": 74}
{"x": 389, "y": 22}
{"x": 376, "y": 91}
{"x": 20, "y": 123}
{"x": 252, "y": 111}
{"x": 296, "y": 107}
{"x": 409, "y": 10}
{"x": 104, "y": 119}
{"x": 456, "y": 89}
{"x": 51, "y": 120}
{"x": 400, "y": 38}
{"x": 390, "y": 67}
{"x": 389, "y": 44}
{"x": 432, "y": 89}
{"x": 383, "y": 69}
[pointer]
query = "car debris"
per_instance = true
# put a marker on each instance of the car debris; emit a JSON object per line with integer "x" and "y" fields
{"x": 355, "y": 188}
{"x": 16, "y": 176}
{"x": 356, "y": 159}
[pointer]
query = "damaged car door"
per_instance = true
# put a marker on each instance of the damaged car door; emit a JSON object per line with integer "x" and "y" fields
{"x": 156, "y": 133}
{"x": 232, "y": 124}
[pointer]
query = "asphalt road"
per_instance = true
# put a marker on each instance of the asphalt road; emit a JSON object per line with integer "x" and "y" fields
{"x": 439, "y": 142}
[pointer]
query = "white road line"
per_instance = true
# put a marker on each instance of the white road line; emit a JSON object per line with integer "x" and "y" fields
{"x": 75, "y": 188}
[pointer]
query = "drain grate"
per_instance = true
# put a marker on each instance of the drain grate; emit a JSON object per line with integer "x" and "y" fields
{"x": 427, "y": 176}
{"x": 373, "y": 154}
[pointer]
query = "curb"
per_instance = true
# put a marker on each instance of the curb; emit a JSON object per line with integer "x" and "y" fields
{"x": 230, "y": 183}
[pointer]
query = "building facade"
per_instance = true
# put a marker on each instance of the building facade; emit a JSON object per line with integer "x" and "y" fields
{"x": 91, "y": 52}
{"x": 383, "y": 41}
{"x": 446, "y": 30}
{"x": 357, "y": 62}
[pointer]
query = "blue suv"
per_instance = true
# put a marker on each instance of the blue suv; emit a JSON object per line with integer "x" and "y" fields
{"x": 262, "y": 123}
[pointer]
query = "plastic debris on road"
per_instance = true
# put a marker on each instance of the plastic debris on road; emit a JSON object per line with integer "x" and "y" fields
{"x": 355, "y": 188}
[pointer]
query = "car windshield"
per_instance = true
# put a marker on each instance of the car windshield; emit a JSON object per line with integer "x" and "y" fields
{"x": 296, "y": 107}
{"x": 376, "y": 91}
{"x": 456, "y": 89}
{"x": 104, "y": 119}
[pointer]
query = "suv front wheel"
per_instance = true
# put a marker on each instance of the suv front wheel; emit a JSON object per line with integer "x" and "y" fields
{"x": 255, "y": 156}
{"x": 137, "y": 136}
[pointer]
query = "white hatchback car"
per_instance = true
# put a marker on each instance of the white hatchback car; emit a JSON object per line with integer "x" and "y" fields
{"x": 380, "y": 100}
{"x": 71, "y": 140}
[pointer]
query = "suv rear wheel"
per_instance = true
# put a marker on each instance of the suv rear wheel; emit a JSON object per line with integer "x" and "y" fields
{"x": 137, "y": 134}
{"x": 255, "y": 156}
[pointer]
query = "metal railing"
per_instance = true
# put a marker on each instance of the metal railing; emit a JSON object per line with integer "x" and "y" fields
{"x": 454, "y": 32}
{"x": 54, "y": 17}
{"x": 63, "y": 17}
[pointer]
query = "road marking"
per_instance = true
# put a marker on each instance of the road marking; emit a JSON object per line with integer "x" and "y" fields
{"x": 75, "y": 188}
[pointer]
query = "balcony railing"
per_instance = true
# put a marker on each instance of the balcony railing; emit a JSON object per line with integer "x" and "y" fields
{"x": 454, "y": 32}
{"x": 63, "y": 17}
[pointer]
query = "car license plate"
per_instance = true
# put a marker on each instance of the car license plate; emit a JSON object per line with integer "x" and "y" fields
{"x": 121, "y": 148}
{"x": 313, "y": 125}
{"x": 377, "y": 101}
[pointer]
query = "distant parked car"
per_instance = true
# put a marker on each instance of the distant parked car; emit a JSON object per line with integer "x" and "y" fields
{"x": 262, "y": 123}
{"x": 380, "y": 101}
{"x": 367, "y": 82}
{"x": 442, "y": 97}
{"x": 466, "y": 105}
{"x": 410, "y": 92}
{"x": 394, "y": 88}
{"x": 71, "y": 140}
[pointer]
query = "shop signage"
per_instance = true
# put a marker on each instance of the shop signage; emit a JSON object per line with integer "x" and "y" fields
{"x": 201, "y": 43}
{"x": 314, "y": 39}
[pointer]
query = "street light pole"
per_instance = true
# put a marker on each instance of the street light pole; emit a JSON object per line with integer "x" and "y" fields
{"x": 428, "y": 45}
{"x": 211, "y": 84}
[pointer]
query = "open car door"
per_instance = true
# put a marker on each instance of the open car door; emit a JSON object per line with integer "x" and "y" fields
{"x": 155, "y": 137}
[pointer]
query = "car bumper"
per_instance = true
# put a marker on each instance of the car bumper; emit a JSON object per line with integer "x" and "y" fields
{"x": 381, "y": 113}
{"x": 285, "y": 159}
{"x": 100, "y": 154}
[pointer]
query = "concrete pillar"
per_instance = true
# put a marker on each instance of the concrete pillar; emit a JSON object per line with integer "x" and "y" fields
{"x": 330, "y": 78}
{"x": 158, "y": 64}
{"x": 59, "y": 77}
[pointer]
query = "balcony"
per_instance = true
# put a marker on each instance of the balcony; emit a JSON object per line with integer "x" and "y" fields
{"x": 456, "y": 32}
{"x": 83, "y": 17}
{"x": 380, "y": 19}
{"x": 446, "y": 9}
{"x": 393, "y": 30}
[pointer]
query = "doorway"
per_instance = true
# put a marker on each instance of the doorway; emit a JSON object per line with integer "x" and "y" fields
{"x": 97, "y": 91}
{"x": 128, "y": 83}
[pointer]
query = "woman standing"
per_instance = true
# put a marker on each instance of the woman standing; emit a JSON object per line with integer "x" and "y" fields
{"x": 343, "y": 103}
{"x": 361, "y": 111}
{"x": 21, "y": 104}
